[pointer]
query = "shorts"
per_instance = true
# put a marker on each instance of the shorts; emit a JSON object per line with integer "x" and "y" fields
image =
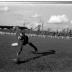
{"x": 25, "y": 42}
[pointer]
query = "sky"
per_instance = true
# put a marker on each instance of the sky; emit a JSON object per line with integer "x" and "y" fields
{"x": 55, "y": 16}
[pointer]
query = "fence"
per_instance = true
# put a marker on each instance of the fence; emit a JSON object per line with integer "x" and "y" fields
{"x": 35, "y": 35}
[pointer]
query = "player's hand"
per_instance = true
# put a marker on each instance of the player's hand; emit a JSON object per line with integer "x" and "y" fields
{"x": 19, "y": 37}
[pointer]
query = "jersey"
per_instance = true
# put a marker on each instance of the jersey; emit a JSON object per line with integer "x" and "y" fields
{"x": 23, "y": 38}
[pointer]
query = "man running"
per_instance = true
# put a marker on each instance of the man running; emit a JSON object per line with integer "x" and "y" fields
{"x": 23, "y": 40}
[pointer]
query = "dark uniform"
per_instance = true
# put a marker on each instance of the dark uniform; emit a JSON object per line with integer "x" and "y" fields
{"x": 23, "y": 39}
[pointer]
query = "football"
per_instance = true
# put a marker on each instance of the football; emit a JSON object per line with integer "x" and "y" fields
{"x": 14, "y": 44}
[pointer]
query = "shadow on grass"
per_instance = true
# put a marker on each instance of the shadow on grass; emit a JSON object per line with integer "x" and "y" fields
{"x": 39, "y": 55}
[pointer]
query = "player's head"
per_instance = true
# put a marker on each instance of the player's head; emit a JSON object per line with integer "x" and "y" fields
{"x": 23, "y": 33}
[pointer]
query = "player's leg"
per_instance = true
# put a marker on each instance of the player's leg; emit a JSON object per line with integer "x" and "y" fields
{"x": 33, "y": 46}
{"x": 20, "y": 48}
{"x": 18, "y": 53}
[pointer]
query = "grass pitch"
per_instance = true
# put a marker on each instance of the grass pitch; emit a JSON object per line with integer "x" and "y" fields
{"x": 59, "y": 62}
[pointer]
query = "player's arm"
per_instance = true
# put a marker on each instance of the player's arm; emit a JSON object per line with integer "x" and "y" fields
{"x": 19, "y": 37}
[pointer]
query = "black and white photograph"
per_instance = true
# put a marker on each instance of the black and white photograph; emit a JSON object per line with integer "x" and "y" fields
{"x": 36, "y": 36}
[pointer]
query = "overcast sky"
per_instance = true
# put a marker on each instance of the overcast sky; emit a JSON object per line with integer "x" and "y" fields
{"x": 52, "y": 15}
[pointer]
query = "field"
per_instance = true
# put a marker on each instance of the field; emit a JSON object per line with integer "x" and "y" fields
{"x": 59, "y": 62}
